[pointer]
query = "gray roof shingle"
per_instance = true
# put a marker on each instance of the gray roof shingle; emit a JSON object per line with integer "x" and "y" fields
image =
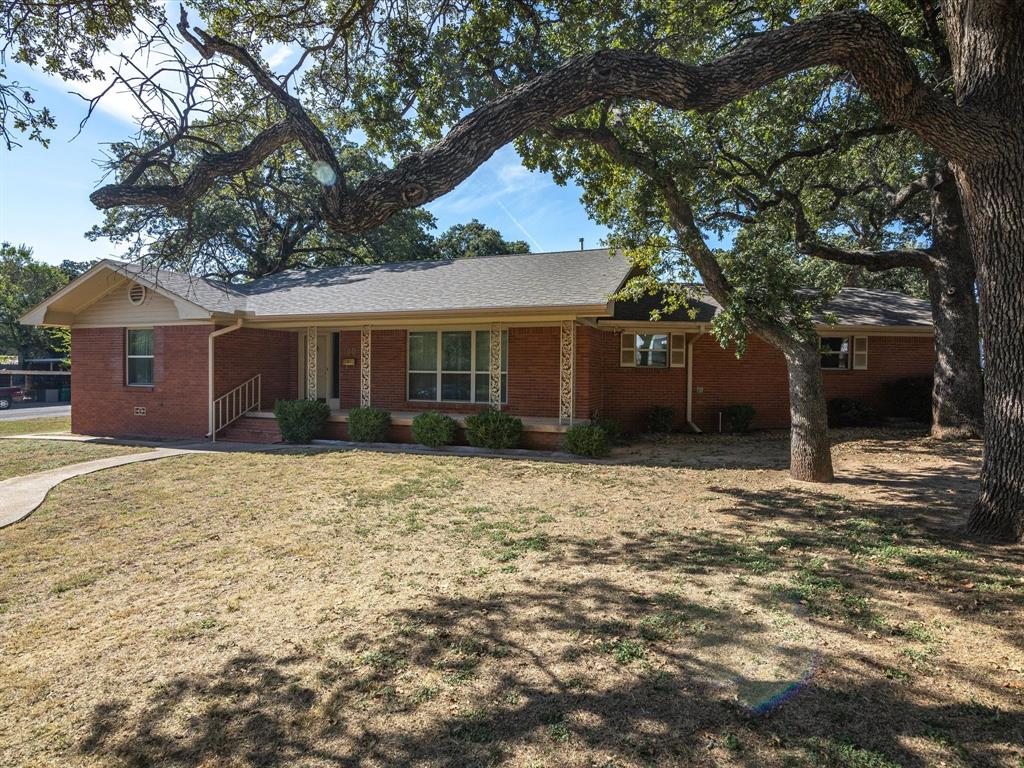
{"x": 852, "y": 306}
{"x": 528, "y": 280}
{"x": 518, "y": 281}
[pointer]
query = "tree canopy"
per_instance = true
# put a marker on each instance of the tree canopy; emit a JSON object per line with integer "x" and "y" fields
{"x": 24, "y": 282}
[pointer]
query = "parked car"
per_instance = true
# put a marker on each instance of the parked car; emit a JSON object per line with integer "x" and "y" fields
{"x": 9, "y": 396}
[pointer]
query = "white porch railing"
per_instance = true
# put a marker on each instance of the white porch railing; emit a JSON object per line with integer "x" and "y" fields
{"x": 233, "y": 405}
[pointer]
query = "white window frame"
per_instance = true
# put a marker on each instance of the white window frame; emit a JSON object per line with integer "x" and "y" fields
{"x": 629, "y": 353}
{"x": 822, "y": 351}
{"x": 476, "y": 371}
{"x": 128, "y": 356}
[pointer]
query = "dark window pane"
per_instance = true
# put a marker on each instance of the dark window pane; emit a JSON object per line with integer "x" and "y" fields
{"x": 140, "y": 370}
{"x": 483, "y": 350}
{"x": 423, "y": 351}
{"x": 457, "y": 351}
{"x": 140, "y": 342}
{"x": 455, "y": 386}
{"x": 483, "y": 388}
{"x": 422, "y": 386}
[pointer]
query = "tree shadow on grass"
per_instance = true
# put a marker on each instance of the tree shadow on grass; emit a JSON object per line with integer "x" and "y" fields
{"x": 597, "y": 674}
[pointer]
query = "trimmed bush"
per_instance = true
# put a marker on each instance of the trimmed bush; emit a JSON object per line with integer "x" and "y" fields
{"x": 910, "y": 398}
{"x": 613, "y": 429}
{"x": 848, "y": 412}
{"x": 587, "y": 440}
{"x": 300, "y": 420}
{"x": 433, "y": 429}
{"x": 661, "y": 419}
{"x": 737, "y": 418}
{"x": 368, "y": 425}
{"x": 493, "y": 429}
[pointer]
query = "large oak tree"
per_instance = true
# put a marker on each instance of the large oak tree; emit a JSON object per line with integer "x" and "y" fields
{"x": 976, "y": 128}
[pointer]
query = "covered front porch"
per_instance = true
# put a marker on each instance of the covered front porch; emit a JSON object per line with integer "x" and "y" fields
{"x": 452, "y": 368}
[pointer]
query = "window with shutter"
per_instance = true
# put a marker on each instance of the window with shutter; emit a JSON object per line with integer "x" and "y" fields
{"x": 627, "y": 352}
{"x": 678, "y": 353}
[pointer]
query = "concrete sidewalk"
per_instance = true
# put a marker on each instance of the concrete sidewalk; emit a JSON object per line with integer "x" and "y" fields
{"x": 21, "y": 496}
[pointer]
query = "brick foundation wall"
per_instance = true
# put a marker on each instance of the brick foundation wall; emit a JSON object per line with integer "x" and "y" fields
{"x": 101, "y": 402}
{"x": 240, "y": 355}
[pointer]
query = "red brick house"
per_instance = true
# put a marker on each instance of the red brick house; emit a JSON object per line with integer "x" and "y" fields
{"x": 157, "y": 353}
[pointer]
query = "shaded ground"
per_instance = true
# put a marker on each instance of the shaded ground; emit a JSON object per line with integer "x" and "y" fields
{"x": 368, "y": 609}
{"x": 35, "y": 426}
{"x": 23, "y": 457}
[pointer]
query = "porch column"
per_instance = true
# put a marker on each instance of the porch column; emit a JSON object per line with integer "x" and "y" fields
{"x": 494, "y": 366}
{"x": 311, "y": 364}
{"x": 567, "y": 372}
{"x": 364, "y": 367}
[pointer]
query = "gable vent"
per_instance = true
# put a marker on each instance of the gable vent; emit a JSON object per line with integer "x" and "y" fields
{"x": 137, "y": 294}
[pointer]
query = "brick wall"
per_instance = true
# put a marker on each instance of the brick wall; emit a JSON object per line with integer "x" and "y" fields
{"x": 532, "y": 373}
{"x": 176, "y": 403}
{"x": 102, "y": 404}
{"x": 240, "y": 355}
{"x": 760, "y": 377}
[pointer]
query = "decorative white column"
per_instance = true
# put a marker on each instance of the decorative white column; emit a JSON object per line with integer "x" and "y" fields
{"x": 311, "y": 364}
{"x": 567, "y": 372}
{"x": 364, "y": 367}
{"x": 494, "y": 364}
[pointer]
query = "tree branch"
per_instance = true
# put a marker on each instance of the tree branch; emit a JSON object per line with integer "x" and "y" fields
{"x": 854, "y": 40}
{"x": 873, "y": 261}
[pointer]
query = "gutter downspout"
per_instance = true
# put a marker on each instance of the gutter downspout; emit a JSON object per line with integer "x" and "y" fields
{"x": 689, "y": 381}
{"x": 209, "y": 371}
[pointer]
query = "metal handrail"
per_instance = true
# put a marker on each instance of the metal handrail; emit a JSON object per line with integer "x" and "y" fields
{"x": 233, "y": 405}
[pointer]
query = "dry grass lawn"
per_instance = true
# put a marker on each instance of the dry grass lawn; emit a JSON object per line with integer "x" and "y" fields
{"x": 23, "y": 457}
{"x": 35, "y": 426}
{"x": 343, "y": 609}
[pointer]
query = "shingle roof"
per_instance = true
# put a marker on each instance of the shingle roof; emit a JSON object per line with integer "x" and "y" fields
{"x": 211, "y": 295}
{"x": 528, "y": 280}
{"x": 853, "y": 306}
{"x": 867, "y": 306}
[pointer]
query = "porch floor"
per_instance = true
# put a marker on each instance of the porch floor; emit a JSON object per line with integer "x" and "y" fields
{"x": 404, "y": 419}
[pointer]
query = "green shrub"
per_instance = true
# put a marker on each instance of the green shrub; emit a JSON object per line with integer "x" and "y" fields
{"x": 493, "y": 429}
{"x": 737, "y": 418}
{"x": 587, "y": 440}
{"x": 848, "y": 412}
{"x": 661, "y": 419}
{"x": 300, "y": 420}
{"x": 433, "y": 429}
{"x": 612, "y": 428}
{"x": 910, "y": 398}
{"x": 368, "y": 425}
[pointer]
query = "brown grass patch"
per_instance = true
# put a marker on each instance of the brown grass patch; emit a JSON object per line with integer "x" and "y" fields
{"x": 324, "y": 608}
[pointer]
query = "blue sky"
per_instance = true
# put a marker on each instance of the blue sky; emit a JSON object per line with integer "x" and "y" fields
{"x": 44, "y": 193}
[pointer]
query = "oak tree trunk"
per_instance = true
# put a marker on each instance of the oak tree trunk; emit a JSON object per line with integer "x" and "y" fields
{"x": 810, "y": 455}
{"x": 993, "y": 196}
{"x": 988, "y": 72}
{"x": 957, "y": 397}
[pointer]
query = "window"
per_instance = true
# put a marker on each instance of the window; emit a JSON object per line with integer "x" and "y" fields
{"x": 653, "y": 350}
{"x": 835, "y": 352}
{"x": 140, "y": 357}
{"x": 454, "y": 366}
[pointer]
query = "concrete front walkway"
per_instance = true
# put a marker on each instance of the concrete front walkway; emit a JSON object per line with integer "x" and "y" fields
{"x": 20, "y": 496}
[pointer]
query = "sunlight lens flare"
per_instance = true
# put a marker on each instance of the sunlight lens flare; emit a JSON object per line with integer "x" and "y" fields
{"x": 324, "y": 173}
